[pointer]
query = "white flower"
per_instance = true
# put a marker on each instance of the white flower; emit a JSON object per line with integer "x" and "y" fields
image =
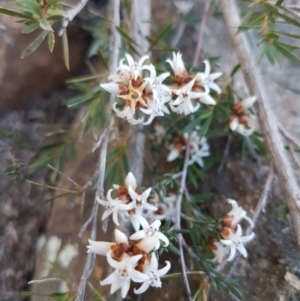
{"x": 153, "y": 274}
{"x": 139, "y": 203}
{"x": 155, "y": 82}
{"x": 201, "y": 151}
{"x": 150, "y": 231}
{"x": 127, "y": 114}
{"x": 236, "y": 242}
{"x": 243, "y": 120}
{"x": 177, "y": 65}
{"x": 113, "y": 206}
{"x": 155, "y": 108}
{"x": 184, "y": 100}
{"x": 220, "y": 251}
{"x": 135, "y": 68}
{"x": 244, "y": 127}
{"x": 123, "y": 274}
{"x": 235, "y": 215}
{"x": 103, "y": 247}
{"x": 206, "y": 79}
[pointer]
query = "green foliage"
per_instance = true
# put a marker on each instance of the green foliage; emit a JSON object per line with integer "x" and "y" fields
{"x": 265, "y": 18}
{"x": 39, "y": 16}
{"x": 13, "y": 169}
{"x": 117, "y": 165}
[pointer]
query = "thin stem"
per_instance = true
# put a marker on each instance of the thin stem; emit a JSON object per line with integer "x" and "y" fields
{"x": 288, "y": 136}
{"x": 51, "y": 187}
{"x": 266, "y": 117}
{"x": 68, "y": 178}
{"x": 90, "y": 262}
{"x": 178, "y": 217}
{"x": 200, "y": 32}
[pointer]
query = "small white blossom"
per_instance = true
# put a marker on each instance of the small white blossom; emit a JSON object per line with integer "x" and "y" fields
{"x": 113, "y": 206}
{"x": 153, "y": 274}
{"x": 177, "y": 65}
{"x": 199, "y": 148}
{"x": 236, "y": 242}
{"x": 220, "y": 251}
{"x": 236, "y": 214}
{"x": 150, "y": 231}
{"x": 201, "y": 152}
{"x": 156, "y": 85}
{"x": 184, "y": 100}
{"x": 123, "y": 274}
{"x": 207, "y": 79}
{"x": 243, "y": 121}
{"x": 155, "y": 108}
{"x": 103, "y": 247}
{"x": 133, "y": 67}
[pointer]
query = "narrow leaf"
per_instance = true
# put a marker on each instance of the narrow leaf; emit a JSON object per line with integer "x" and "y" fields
{"x": 34, "y": 45}
{"x": 66, "y": 49}
{"x": 51, "y": 41}
{"x": 102, "y": 59}
{"x": 12, "y": 13}
{"x": 161, "y": 35}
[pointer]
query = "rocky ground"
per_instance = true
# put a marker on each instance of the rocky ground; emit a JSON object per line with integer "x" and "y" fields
{"x": 30, "y": 233}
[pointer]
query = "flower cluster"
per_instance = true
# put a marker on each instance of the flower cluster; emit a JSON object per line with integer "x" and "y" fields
{"x": 232, "y": 234}
{"x": 242, "y": 120}
{"x": 139, "y": 207}
{"x": 199, "y": 148}
{"x": 133, "y": 260}
{"x": 149, "y": 95}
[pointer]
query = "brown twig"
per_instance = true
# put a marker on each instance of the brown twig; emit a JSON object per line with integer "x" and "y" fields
{"x": 266, "y": 117}
{"x": 201, "y": 31}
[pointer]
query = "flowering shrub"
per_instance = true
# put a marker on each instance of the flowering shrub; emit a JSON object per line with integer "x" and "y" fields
{"x": 184, "y": 110}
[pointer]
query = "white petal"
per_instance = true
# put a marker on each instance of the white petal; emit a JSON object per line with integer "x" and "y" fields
{"x": 137, "y": 276}
{"x": 164, "y": 238}
{"x": 132, "y": 261}
{"x": 132, "y": 193}
{"x": 142, "y": 288}
{"x": 146, "y": 194}
{"x": 242, "y": 250}
{"x": 130, "y": 180}
{"x": 99, "y": 247}
{"x": 247, "y": 237}
{"x": 215, "y": 87}
{"x": 148, "y": 206}
{"x": 164, "y": 270}
{"x": 130, "y": 59}
{"x": 115, "y": 286}
{"x": 248, "y": 102}
{"x": 207, "y": 67}
{"x": 115, "y": 218}
{"x": 153, "y": 263}
{"x": 125, "y": 287}
{"x": 174, "y": 154}
{"x": 106, "y": 214}
{"x": 233, "y": 124}
{"x": 111, "y": 261}
{"x": 120, "y": 237}
{"x": 207, "y": 99}
{"x": 138, "y": 235}
{"x": 112, "y": 88}
{"x": 232, "y": 253}
{"x": 147, "y": 244}
{"x": 110, "y": 279}
{"x": 143, "y": 222}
